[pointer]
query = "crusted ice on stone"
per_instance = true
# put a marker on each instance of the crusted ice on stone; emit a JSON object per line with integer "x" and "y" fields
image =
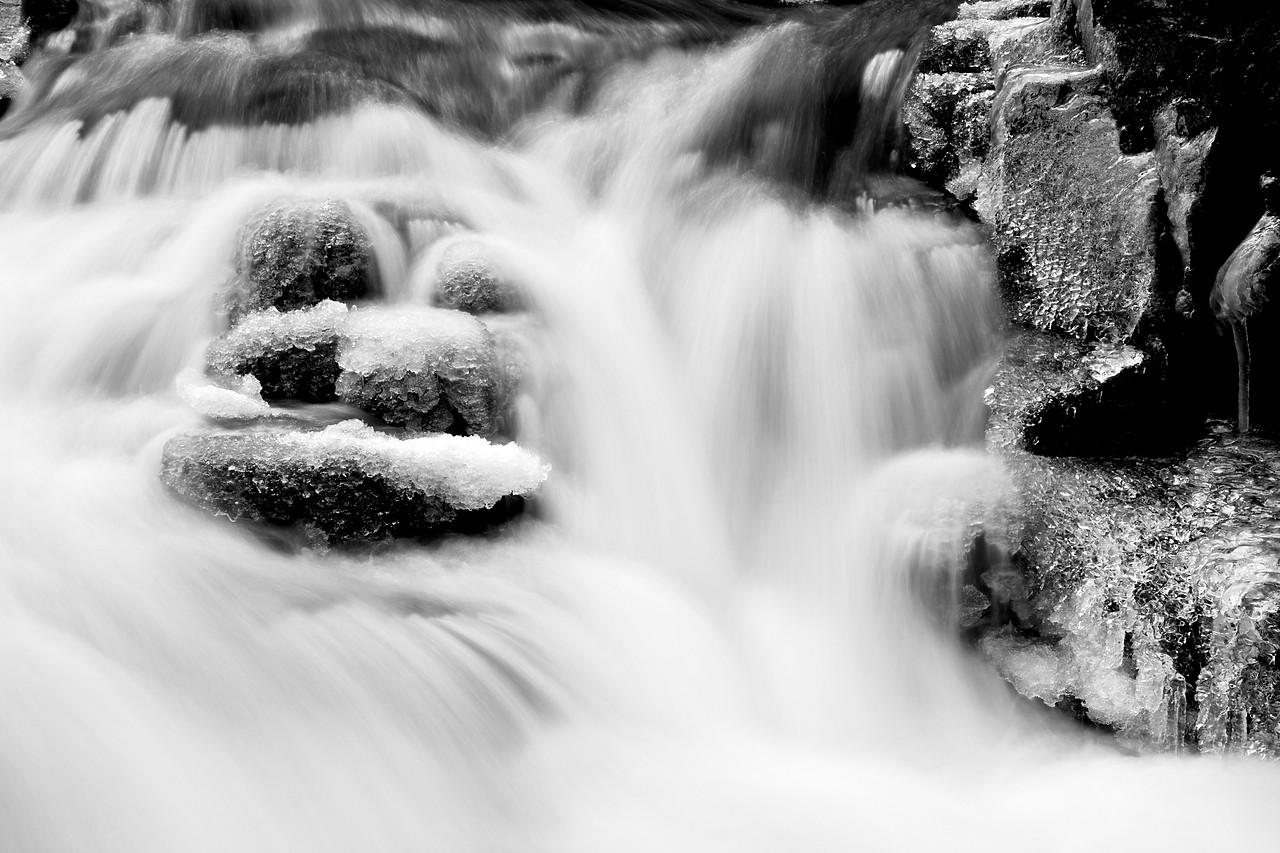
{"x": 292, "y": 353}
{"x": 469, "y": 472}
{"x": 350, "y": 482}
{"x": 429, "y": 369}
{"x": 467, "y": 278}
{"x": 242, "y": 401}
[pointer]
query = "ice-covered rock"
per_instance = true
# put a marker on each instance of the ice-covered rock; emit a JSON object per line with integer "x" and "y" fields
{"x": 1057, "y": 396}
{"x": 467, "y": 279}
{"x": 427, "y": 369}
{"x": 293, "y": 354}
{"x": 946, "y": 117}
{"x": 1075, "y": 220}
{"x": 238, "y": 399}
{"x": 1155, "y": 593}
{"x": 301, "y": 253}
{"x": 351, "y": 482}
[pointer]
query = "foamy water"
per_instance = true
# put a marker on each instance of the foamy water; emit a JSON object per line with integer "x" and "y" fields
{"x": 721, "y": 632}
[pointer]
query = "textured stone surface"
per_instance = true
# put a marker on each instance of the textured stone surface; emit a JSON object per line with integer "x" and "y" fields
{"x": 14, "y": 36}
{"x": 298, "y": 254}
{"x": 294, "y": 354}
{"x": 1182, "y": 152}
{"x": 348, "y": 493}
{"x": 1030, "y": 42}
{"x": 946, "y": 116}
{"x": 1057, "y": 396}
{"x": 1075, "y": 221}
{"x": 468, "y": 280}
{"x": 426, "y": 369}
{"x": 958, "y": 46}
{"x": 1153, "y": 588}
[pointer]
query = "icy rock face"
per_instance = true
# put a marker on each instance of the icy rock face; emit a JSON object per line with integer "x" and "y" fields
{"x": 1057, "y": 396}
{"x": 14, "y": 36}
{"x": 467, "y": 279}
{"x": 427, "y": 369}
{"x": 296, "y": 255}
{"x": 1155, "y": 592}
{"x": 349, "y": 482}
{"x": 946, "y": 116}
{"x": 239, "y": 398}
{"x": 293, "y": 354}
{"x": 1075, "y": 220}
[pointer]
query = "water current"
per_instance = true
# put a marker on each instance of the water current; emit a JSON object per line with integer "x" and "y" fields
{"x": 724, "y": 629}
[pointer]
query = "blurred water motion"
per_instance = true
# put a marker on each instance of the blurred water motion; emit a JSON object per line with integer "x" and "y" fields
{"x": 758, "y": 381}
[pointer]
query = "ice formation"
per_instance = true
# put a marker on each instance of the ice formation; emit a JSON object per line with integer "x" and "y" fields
{"x": 466, "y": 278}
{"x": 469, "y": 472}
{"x": 428, "y": 369}
{"x": 350, "y": 482}
{"x": 242, "y": 401}
{"x": 292, "y": 353}
{"x": 295, "y": 255}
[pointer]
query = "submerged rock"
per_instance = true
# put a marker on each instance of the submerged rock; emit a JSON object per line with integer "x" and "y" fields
{"x": 427, "y": 369}
{"x": 349, "y": 482}
{"x": 296, "y": 255}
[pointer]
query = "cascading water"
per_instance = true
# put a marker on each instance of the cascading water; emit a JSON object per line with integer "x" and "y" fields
{"x": 761, "y": 413}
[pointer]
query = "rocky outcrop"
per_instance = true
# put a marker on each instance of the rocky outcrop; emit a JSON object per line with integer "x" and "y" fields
{"x": 427, "y": 369}
{"x": 416, "y": 389}
{"x": 467, "y": 279}
{"x": 292, "y": 354}
{"x": 297, "y": 254}
{"x": 1153, "y": 589}
{"x": 348, "y": 482}
{"x": 1057, "y": 396}
{"x": 1075, "y": 221}
{"x": 1006, "y": 113}
{"x": 14, "y": 36}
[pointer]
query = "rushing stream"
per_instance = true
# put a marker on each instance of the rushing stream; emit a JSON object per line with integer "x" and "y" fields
{"x": 725, "y": 628}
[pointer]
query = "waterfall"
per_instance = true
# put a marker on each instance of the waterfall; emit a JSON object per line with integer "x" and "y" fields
{"x": 759, "y": 388}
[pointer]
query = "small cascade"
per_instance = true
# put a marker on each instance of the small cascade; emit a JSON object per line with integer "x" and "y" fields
{"x": 287, "y": 345}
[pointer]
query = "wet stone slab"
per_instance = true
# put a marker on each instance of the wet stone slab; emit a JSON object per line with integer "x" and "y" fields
{"x": 347, "y": 482}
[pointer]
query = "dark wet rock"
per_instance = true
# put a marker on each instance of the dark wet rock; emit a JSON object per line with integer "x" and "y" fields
{"x": 1075, "y": 221}
{"x": 298, "y": 254}
{"x": 42, "y": 16}
{"x": 428, "y": 369}
{"x": 1030, "y": 42}
{"x": 1154, "y": 587}
{"x": 468, "y": 280}
{"x": 959, "y": 46}
{"x": 1057, "y": 396}
{"x": 14, "y": 37}
{"x": 946, "y": 117}
{"x": 292, "y": 354}
{"x": 1182, "y": 151}
{"x": 348, "y": 482}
